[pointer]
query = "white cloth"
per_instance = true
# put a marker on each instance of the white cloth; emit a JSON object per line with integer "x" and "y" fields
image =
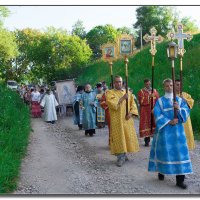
{"x": 35, "y": 96}
{"x": 168, "y": 95}
{"x": 49, "y": 103}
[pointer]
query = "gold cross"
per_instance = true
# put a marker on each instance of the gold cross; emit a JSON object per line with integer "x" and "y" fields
{"x": 153, "y": 38}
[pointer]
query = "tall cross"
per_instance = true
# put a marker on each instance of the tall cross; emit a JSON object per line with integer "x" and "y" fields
{"x": 180, "y": 36}
{"x": 153, "y": 38}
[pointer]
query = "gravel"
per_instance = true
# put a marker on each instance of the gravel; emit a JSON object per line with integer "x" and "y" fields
{"x": 62, "y": 160}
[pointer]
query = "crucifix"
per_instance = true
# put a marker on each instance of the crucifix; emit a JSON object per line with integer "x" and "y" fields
{"x": 180, "y": 36}
{"x": 153, "y": 38}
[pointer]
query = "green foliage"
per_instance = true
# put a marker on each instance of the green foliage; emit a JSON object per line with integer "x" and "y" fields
{"x": 100, "y": 35}
{"x": 79, "y": 30}
{"x": 14, "y": 132}
{"x": 4, "y": 12}
{"x": 42, "y": 53}
{"x": 189, "y": 25}
{"x": 160, "y": 17}
{"x": 140, "y": 68}
{"x": 163, "y": 18}
{"x": 8, "y": 46}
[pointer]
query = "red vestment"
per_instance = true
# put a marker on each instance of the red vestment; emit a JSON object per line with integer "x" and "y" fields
{"x": 145, "y": 112}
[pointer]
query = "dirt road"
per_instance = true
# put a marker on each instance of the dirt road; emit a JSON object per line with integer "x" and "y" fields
{"x": 62, "y": 160}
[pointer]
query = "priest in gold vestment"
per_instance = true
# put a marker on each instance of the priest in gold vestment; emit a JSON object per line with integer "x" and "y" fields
{"x": 123, "y": 137}
{"x": 187, "y": 124}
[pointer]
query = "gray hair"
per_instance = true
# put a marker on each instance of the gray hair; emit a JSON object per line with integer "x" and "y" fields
{"x": 168, "y": 80}
{"x": 117, "y": 76}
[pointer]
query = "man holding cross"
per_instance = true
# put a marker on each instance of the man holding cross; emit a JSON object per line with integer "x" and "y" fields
{"x": 147, "y": 125}
{"x": 169, "y": 151}
{"x": 148, "y": 95}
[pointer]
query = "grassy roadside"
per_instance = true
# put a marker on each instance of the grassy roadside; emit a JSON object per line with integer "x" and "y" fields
{"x": 14, "y": 132}
{"x": 140, "y": 68}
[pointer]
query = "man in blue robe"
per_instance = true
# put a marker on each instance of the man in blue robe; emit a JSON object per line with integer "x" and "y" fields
{"x": 169, "y": 151}
{"x": 88, "y": 105}
{"x": 78, "y": 113}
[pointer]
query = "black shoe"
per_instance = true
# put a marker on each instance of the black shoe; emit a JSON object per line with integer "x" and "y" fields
{"x": 91, "y": 134}
{"x": 161, "y": 177}
{"x": 86, "y": 133}
{"x": 182, "y": 185}
{"x": 120, "y": 162}
{"x": 146, "y": 140}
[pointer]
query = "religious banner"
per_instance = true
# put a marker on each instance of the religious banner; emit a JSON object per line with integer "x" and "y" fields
{"x": 126, "y": 44}
{"x": 109, "y": 52}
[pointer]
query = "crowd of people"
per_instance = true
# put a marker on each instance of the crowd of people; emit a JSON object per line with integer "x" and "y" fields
{"x": 40, "y": 100}
{"x": 172, "y": 137}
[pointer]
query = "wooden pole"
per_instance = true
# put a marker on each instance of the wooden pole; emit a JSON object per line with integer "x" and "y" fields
{"x": 152, "y": 85}
{"x": 111, "y": 74}
{"x": 181, "y": 75}
{"x": 174, "y": 92}
{"x": 126, "y": 65}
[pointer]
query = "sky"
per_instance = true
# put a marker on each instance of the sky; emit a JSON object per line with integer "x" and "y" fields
{"x": 65, "y": 17}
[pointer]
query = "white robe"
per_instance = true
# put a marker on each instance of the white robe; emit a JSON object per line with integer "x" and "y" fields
{"x": 49, "y": 103}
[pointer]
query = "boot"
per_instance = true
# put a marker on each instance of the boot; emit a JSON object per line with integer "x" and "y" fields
{"x": 120, "y": 159}
{"x": 146, "y": 140}
{"x": 180, "y": 181}
{"x": 80, "y": 126}
{"x": 161, "y": 177}
{"x": 91, "y": 134}
{"x": 86, "y": 132}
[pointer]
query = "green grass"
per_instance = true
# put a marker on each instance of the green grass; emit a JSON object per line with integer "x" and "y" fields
{"x": 14, "y": 132}
{"x": 140, "y": 68}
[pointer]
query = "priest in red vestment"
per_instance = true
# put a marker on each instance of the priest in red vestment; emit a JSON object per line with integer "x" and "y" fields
{"x": 144, "y": 98}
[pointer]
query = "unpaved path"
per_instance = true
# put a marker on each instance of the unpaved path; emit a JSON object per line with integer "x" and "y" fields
{"x": 62, "y": 160}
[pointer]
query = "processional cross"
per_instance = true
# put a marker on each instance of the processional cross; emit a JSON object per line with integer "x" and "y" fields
{"x": 180, "y": 36}
{"x": 153, "y": 38}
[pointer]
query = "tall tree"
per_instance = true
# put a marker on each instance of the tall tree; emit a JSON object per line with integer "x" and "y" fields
{"x": 42, "y": 53}
{"x": 4, "y": 12}
{"x": 189, "y": 25}
{"x": 8, "y": 46}
{"x": 79, "y": 30}
{"x": 100, "y": 35}
{"x": 127, "y": 30}
{"x": 161, "y": 17}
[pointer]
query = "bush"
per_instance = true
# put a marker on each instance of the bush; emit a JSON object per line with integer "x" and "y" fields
{"x": 14, "y": 132}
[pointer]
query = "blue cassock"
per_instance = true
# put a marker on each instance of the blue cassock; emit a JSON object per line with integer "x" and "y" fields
{"x": 89, "y": 111}
{"x": 169, "y": 151}
{"x": 77, "y": 118}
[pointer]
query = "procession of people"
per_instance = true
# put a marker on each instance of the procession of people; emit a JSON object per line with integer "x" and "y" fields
{"x": 169, "y": 139}
{"x": 164, "y": 121}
